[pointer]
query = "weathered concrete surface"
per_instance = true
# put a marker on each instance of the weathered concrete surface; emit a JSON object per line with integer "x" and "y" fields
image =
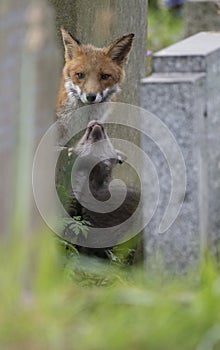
{"x": 183, "y": 92}
{"x": 201, "y": 15}
{"x": 190, "y": 55}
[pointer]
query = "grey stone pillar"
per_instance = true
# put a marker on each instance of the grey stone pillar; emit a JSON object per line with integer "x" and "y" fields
{"x": 201, "y": 15}
{"x": 183, "y": 92}
{"x": 99, "y": 22}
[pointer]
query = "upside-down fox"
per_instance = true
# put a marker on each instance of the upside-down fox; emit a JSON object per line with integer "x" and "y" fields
{"x": 91, "y": 74}
{"x": 95, "y": 151}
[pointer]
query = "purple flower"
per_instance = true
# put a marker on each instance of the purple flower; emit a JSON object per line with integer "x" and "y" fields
{"x": 174, "y": 3}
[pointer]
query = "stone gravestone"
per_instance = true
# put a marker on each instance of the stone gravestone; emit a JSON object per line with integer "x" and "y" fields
{"x": 201, "y": 15}
{"x": 183, "y": 92}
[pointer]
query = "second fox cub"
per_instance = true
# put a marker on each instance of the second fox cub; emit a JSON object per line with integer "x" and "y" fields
{"x": 91, "y": 74}
{"x": 93, "y": 175}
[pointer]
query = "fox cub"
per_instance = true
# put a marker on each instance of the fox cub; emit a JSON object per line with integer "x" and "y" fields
{"x": 90, "y": 74}
{"x": 118, "y": 219}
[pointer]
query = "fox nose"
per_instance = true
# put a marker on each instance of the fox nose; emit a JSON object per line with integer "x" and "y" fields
{"x": 91, "y": 97}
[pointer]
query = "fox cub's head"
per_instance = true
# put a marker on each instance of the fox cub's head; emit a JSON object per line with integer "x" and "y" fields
{"x": 97, "y": 157}
{"x": 92, "y": 74}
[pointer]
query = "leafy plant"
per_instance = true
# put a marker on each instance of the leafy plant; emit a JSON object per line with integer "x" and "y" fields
{"x": 77, "y": 225}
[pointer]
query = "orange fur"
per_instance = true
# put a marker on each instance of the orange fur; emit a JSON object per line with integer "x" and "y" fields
{"x": 102, "y": 69}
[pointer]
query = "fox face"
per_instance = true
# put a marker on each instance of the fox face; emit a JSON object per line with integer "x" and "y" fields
{"x": 91, "y": 74}
{"x": 105, "y": 157}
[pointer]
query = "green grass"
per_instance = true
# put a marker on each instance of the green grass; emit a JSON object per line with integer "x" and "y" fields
{"x": 165, "y": 27}
{"x": 53, "y": 299}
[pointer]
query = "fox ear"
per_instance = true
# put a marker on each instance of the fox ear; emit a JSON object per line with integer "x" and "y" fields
{"x": 120, "y": 48}
{"x": 71, "y": 44}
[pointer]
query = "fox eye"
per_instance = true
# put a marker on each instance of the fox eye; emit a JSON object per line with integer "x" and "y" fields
{"x": 105, "y": 76}
{"x": 81, "y": 75}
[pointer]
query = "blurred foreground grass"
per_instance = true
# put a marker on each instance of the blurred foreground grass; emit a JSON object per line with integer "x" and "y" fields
{"x": 52, "y": 299}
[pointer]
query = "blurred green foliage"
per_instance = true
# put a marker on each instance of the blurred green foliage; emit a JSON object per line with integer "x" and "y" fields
{"x": 52, "y": 298}
{"x": 165, "y": 27}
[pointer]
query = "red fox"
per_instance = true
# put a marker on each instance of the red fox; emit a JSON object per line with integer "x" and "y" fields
{"x": 90, "y": 74}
